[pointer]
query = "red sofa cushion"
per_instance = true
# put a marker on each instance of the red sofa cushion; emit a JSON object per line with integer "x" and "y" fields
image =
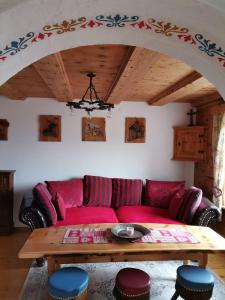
{"x": 159, "y": 193}
{"x": 44, "y": 199}
{"x": 60, "y": 207}
{"x": 126, "y": 192}
{"x": 98, "y": 191}
{"x": 144, "y": 214}
{"x": 88, "y": 215}
{"x": 190, "y": 204}
{"x": 175, "y": 205}
{"x": 70, "y": 190}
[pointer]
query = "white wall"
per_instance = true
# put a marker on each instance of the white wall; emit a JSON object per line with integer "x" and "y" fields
{"x": 36, "y": 161}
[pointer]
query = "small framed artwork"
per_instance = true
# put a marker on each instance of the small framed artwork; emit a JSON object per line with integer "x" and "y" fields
{"x": 93, "y": 129}
{"x": 4, "y": 125}
{"x": 135, "y": 130}
{"x": 49, "y": 128}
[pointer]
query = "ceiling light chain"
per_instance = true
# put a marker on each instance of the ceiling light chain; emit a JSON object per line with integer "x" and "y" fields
{"x": 90, "y": 105}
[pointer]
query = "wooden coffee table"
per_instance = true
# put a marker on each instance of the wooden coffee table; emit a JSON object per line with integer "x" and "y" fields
{"x": 47, "y": 243}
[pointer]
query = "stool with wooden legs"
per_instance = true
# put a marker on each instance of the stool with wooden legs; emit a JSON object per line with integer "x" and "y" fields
{"x": 68, "y": 283}
{"x": 132, "y": 284}
{"x": 193, "y": 283}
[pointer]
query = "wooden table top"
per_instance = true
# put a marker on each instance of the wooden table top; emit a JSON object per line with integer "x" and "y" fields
{"x": 48, "y": 241}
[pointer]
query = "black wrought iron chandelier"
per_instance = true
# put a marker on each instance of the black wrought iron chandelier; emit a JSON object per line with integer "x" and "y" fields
{"x": 92, "y": 102}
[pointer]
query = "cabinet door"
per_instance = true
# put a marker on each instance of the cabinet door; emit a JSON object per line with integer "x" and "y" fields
{"x": 189, "y": 143}
{"x": 6, "y": 201}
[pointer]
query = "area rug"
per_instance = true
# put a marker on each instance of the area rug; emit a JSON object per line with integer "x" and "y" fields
{"x": 102, "y": 278}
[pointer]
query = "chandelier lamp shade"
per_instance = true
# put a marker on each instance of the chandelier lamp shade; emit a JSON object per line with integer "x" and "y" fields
{"x": 90, "y": 100}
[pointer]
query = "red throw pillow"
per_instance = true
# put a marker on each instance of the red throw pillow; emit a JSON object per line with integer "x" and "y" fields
{"x": 60, "y": 207}
{"x": 44, "y": 200}
{"x": 175, "y": 205}
{"x": 70, "y": 190}
{"x": 97, "y": 191}
{"x": 159, "y": 193}
{"x": 126, "y": 192}
{"x": 191, "y": 202}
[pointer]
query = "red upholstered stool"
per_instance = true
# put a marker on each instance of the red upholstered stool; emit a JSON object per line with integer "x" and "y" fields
{"x": 132, "y": 284}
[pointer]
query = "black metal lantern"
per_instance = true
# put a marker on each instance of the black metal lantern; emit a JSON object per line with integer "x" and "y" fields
{"x": 93, "y": 102}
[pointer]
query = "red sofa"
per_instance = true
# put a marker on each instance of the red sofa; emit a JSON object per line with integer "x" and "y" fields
{"x": 96, "y": 199}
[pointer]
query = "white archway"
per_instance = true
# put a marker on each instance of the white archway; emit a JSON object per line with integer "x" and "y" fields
{"x": 192, "y": 31}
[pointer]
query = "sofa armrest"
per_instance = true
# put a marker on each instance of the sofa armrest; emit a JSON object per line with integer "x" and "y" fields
{"x": 207, "y": 213}
{"x": 31, "y": 215}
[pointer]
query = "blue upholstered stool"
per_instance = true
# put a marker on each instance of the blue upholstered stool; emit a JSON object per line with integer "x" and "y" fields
{"x": 68, "y": 283}
{"x": 193, "y": 283}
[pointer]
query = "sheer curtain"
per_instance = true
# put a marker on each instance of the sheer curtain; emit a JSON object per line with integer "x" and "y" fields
{"x": 219, "y": 159}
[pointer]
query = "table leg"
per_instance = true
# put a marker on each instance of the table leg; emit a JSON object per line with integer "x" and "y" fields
{"x": 203, "y": 260}
{"x": 51, "y": 265}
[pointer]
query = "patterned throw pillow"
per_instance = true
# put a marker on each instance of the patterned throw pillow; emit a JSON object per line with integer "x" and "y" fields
{"x": 60, "y": 207}
{"x": 44, "y": 200}
{"x": 190, "y": 204}
{"x": 97, "y": 191}
{"x": 159, "y": 193}
{"x": 126, "y": 192}
{"x": 70, "y": 190}
{"x": 175, "y": 205}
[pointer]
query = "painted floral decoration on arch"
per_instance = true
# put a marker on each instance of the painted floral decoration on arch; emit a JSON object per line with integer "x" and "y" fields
{"x": 117, "y": 22}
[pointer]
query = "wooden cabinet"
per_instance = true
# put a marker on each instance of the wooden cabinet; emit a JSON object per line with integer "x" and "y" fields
{"x": 189, "y": 143}
{"x": 6, "y": 201}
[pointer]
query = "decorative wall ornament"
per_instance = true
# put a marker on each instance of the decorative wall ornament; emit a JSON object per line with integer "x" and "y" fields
{"x": 187, "y": 38}
{"x": 4, "y": 125}
{"x": 93, "y": 129}
{"x": 41, "y": 36}
{"x": 115, "y": 22}
{"x": 135, "y": 130}
{"x": 208, "y": 47}
{"x": 49, "y": 128}
{"x": 166, "y": 28}
{"x": 17, "y": 46}
{"x": 65, "y": 26}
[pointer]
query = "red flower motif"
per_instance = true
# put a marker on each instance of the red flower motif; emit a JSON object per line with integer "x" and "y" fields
{"x": 187, "y": 38}
{"x": 141, "y": 24}
{"x": 222, "y": 60}
{"x": 91, "y": 24}
{"x": 41, "y": 36}
{"x": 3, "y": 58}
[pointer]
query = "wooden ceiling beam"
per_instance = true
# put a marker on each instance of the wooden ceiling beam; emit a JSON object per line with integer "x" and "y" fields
{"x": 10, "y": 91}
{"x": 53, "y": 72}
{"x": 134, "y": 68}
{"x": 123, "y": 65}
{"x": 203, "y": 101}
{"x": 188, "y": 79}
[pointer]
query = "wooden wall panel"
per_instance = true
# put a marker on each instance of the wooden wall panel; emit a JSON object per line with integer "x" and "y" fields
{"x": 203, "y": 177}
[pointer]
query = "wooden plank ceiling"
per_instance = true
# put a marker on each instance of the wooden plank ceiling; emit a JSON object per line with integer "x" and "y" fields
{"x": 123, "y": 73}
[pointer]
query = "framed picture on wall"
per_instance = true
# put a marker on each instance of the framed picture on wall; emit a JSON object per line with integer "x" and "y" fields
{"x": 93, "y": 129}
{"x": 4, "y": 125}
{"x": 49, "y": 128}
{"x": 135, "y": 130}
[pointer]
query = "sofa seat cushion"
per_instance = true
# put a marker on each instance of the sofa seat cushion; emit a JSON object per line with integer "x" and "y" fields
{"x": 88, "y": 215}
{"x": 144, "y": 214}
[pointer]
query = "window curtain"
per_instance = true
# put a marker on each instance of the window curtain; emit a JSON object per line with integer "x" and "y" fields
{"x": 219, "y": 159}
